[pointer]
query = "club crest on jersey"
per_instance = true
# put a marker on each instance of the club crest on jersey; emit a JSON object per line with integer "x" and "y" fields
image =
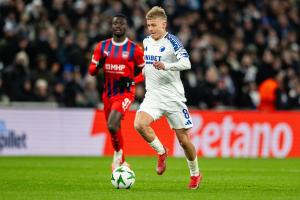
{"x": 125, "y": 54}
{"x": 162, "y": 48}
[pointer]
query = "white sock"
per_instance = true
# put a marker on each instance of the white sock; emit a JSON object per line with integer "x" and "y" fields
{"x": 193, "y": 166}
{"x": 118, "y": 155}
{"x": 157, "y": 146}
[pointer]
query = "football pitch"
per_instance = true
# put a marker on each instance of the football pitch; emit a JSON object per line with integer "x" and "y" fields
{"x": 89, "y": 178}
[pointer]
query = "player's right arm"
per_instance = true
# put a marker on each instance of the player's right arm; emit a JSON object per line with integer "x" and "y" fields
{"x": 97, "y": 61}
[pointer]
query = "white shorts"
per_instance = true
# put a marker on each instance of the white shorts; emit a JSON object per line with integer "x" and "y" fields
{"x": 176, "y": 112}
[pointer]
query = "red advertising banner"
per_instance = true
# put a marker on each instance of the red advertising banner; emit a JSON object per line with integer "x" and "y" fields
{"x": 217, "y": 134}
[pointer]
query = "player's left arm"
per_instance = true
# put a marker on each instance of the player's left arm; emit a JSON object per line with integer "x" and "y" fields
{"x": 139, "y": 65}
{"x": 183, "y": 61}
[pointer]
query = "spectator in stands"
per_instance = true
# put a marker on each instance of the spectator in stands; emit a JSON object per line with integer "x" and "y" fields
{"x": 208, "y": 89}
{"x": 41, "y": 90}
{"x": 73, "y": 90}
{"x": 294, "y": 95}
{"x": 26, "y": 92}
{"x": 272, "y": 93}
{"x": 3, "y": 97}
{"x": 90, "y": 92}
{"x": 14, "y": 76}
{"x": 254, "y": 38}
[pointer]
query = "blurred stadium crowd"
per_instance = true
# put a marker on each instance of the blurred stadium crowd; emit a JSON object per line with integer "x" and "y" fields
{"x": 234, "y": 45}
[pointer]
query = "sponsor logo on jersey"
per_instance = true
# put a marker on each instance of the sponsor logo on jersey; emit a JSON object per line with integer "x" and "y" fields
{"x": 149, "y": 59}
{"x": 114, "y": 67}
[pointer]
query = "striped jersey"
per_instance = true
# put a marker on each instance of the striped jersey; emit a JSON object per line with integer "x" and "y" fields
{"x": 121, "y": 61}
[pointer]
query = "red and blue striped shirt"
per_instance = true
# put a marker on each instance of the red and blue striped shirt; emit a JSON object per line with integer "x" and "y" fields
{"x": 122, "y": 58}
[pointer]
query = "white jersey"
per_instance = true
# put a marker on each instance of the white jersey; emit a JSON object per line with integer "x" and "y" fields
{"x": 165, "y": 85}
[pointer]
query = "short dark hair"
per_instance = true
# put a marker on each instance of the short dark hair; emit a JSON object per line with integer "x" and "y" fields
{"x": 121, "y": 15}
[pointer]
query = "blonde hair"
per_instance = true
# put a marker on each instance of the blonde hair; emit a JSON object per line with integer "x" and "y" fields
{"x": 156, "y": 12}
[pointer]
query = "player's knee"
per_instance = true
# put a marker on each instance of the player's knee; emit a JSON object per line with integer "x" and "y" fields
{"x": 139, "y": 126}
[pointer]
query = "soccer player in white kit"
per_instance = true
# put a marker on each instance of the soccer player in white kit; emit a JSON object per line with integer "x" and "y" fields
{"x": 165, "y": 57}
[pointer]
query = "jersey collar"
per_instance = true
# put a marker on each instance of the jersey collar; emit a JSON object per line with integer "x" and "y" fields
{"x": 161, "y": 37}
{"x": 119, "y": 43}
{"x": 165, "y": 34}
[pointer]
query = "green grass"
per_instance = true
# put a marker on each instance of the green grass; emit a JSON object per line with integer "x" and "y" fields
{"x": 89, "y": 178}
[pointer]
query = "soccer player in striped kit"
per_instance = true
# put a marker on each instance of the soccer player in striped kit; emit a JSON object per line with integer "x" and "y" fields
{"x": 165, "y": 57}
{"x": 118, "y": 57}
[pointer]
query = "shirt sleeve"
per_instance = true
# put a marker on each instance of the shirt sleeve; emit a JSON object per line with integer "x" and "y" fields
{"x": 181, "y": 53}
{"x": 183, "y": 61}
{"x": 139, "y": 78}
{"x": 95, "y": 59}
{"x": 139, "y": 56}
{"x": 182, "y": 64}
{"x": 140, "y": 62}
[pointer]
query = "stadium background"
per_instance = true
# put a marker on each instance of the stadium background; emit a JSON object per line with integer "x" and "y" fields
{"x": 234, "y": 46}
{"x": 48, "y": 102}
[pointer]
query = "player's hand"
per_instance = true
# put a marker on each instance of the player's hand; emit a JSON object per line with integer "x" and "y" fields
{"x": 125, "y": 82}
{"x": 159, "y": 65}
{"x": 101, "y": 61}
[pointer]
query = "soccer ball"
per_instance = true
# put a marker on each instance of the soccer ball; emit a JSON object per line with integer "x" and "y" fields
{"x": 122, "y": 177}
